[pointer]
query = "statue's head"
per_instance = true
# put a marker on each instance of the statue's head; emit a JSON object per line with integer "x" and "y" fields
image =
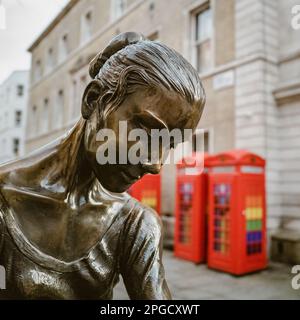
{"x": 146, "y": 84}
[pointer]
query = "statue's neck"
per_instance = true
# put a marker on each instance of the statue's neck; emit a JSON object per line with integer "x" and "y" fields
{"x": 71, "y": 168}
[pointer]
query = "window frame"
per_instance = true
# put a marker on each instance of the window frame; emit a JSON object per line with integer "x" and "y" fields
{"x": 76, "y": 91}
{"x": 190, "y": 48}
{"x": 113, "y": 13}
{"x": 16, "y": 151}
{"x": 46, "y": 103}
{"x": 58, "y": 108}
{"x": 18, "y": 118}
{"x": 83, "y": 37}
{"x": 34, "y": 125}
{"x": 64, "y": 47}
{"x": 50, "y": 59}
{"x": 20, "y": 93}
{"x": 210, "y": 132}
{"x": 38, "y": 72}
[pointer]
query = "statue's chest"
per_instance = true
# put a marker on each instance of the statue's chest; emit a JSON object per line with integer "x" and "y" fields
{"x": 33, "y": 276}
{"x": 61, "y": 231}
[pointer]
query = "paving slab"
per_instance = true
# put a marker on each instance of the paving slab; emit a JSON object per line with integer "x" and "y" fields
{"x": 187, "y": 280}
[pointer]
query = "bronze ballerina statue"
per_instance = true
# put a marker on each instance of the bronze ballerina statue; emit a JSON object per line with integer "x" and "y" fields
{"x": 68, "y": 229}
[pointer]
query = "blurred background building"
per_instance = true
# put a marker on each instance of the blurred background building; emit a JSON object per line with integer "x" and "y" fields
{"x": 248, "y": 57}
{"x": 13, "y": 106}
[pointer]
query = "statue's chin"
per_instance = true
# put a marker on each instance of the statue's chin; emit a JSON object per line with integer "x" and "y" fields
{"x": 112, "y": 180}
{"x": 115, "y": 188}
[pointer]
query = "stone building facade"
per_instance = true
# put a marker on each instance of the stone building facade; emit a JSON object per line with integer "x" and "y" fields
{"x": 13, "y": 106}
{"x": 247, "y": 54}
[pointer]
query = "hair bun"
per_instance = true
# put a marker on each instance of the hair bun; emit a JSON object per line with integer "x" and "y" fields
{"x": 116, "y": 44}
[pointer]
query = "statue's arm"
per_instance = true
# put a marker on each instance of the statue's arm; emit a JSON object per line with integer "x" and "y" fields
{"x": 141, "y": 263}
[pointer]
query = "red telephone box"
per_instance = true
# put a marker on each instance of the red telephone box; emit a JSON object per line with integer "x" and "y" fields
{"x": 191, "y": 207}
{"x": 147, "y": 190}
{"x": 237, "y": 212}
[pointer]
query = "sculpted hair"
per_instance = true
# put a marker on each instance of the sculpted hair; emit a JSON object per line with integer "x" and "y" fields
{"x": 127, "y": 64}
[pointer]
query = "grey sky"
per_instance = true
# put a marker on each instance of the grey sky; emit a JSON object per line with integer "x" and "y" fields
{"x": 25, "y": 20}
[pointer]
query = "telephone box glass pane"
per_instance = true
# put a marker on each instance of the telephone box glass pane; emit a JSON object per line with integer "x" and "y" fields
{"x": 222, "y": 193}
{"x": 185, "y": 211}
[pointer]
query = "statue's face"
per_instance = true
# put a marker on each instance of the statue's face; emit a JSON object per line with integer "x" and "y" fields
{"x": 144, "y": 109}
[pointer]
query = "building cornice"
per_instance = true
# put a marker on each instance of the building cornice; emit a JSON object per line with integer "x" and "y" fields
{"x": 290, "y": 57}
{"x": 234, "y": 64}
{"x": 12, "y": 74}
{"x": 109, "y": 26}
{"x": 53, "y": 23}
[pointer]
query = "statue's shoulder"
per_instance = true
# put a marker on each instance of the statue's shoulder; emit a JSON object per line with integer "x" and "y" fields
{"x": 26, "y": 173}
{"x": 141, "y": 236}
{"x": 18, "y": 180}
{"x": 6, "y": 170}
{"x": 142, "y": 218}
{"x": 11, "y": 175}
{"x": 12, "y": 172}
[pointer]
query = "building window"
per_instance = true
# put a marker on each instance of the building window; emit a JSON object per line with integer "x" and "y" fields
{"x": 83, "y": 83}
{"x": 74, "y": 113}
{"x": 16, "y": 146}
{"x": 18, "y": 118}
{"x": 204, "y": 139}
{"x": 118, "y": 8}
{"x": 34, "y": 121}
{"x": 45, "y": 117}
{"x": 206, "y": 142}
{"x": 86, "y": 26}
{"x": 57, "y": 115}
{"x": 50, "y": 59}
{"x": 63, "y": 47}
{"x": 20, "y": 90}
{"x": 203, "y": 40}
{"x": 38, "y": 70}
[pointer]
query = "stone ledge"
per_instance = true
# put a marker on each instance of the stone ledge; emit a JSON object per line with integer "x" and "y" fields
{"x": 285, "y": 246}
{"x": 287, "y": 92}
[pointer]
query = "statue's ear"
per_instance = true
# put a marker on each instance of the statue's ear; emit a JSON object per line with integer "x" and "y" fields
{"x": 90, "y": 99}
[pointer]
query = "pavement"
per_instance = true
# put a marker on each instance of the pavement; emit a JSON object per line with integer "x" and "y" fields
{"x": 187, "y": 280}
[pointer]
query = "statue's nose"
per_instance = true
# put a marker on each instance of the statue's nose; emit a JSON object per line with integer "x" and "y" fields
{"x": 152, "y": 168}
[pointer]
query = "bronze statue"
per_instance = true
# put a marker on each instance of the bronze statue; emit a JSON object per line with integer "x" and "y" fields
{"x": 68, "y": 228}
